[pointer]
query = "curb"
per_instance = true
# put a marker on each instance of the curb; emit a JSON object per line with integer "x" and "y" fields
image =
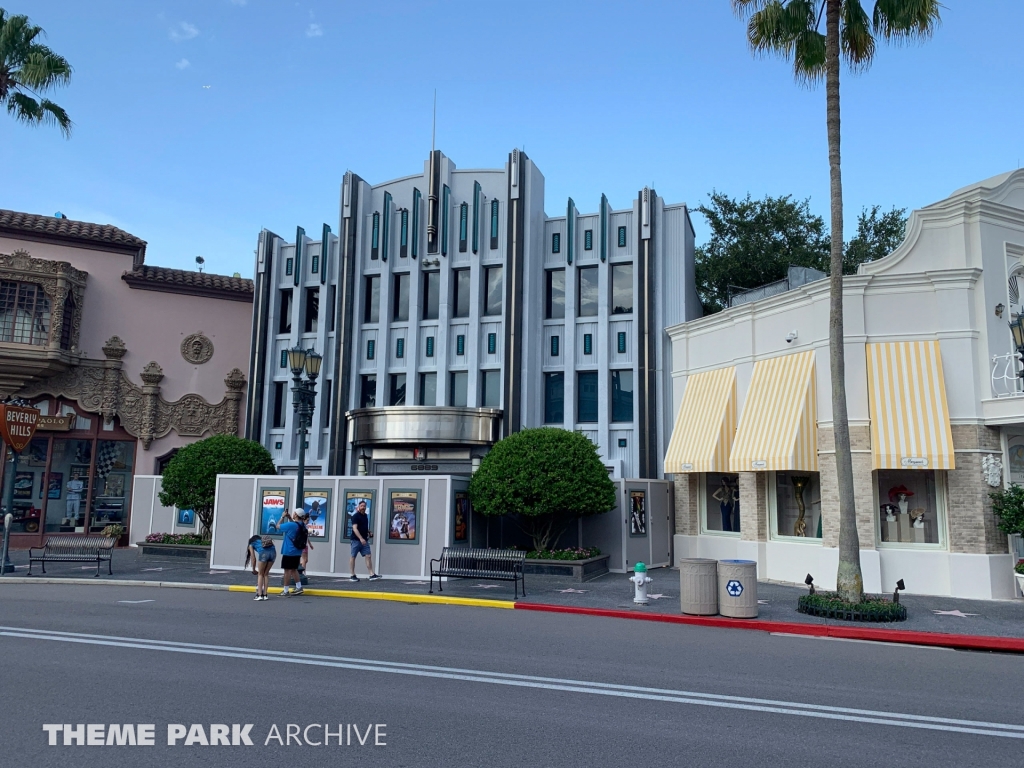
{"x": 395, "y": 597}
{"x": 905, "y": 636}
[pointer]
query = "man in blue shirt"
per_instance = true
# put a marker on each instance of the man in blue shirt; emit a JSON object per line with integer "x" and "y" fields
{"x": 293, "y": 542}
{"x": 361, "y": 542}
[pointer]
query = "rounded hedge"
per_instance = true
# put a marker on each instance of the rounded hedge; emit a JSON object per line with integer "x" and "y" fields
{"x": 831, "y": 606}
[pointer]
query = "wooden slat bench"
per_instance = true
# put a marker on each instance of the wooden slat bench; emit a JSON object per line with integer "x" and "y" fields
{"x": 486, "y": 564}
{"x": 73, "y": 549}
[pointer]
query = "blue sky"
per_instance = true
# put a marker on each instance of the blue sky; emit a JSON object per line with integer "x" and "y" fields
{"x": 604, "y": 96}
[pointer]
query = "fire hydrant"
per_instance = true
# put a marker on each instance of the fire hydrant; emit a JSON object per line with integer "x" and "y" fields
{"x": 640, "y": 581}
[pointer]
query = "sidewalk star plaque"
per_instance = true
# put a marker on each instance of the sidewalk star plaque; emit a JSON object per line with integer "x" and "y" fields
{"x": 17, "y": 425}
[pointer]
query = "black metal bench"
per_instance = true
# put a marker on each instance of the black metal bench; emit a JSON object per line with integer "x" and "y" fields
{"x": 487, "y": 564}
{"x": 73, "y": 549}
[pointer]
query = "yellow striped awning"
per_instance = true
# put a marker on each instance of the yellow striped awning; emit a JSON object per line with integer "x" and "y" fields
{"x": 907, "y": 403}
{"x": 779, "y": 429}
{"x": 705, "y": 424}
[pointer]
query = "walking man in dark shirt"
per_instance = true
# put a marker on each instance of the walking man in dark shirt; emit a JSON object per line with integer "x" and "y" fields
{"x": 361, "y": 542}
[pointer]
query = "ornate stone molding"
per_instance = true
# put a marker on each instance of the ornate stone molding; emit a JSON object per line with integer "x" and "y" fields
{"x": 196, "y": 348}
{"x": 58, "y": 279}
{"x": 103, "y": 387}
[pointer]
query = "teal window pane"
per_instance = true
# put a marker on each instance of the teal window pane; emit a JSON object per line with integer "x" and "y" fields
{"x": 622, "y": 342}
{"x": 289, "y": 266}
{"x": 460, "y": 345}
{"x": 371, "y": 349}
{"x": 556, "y": 243}
{"x": 622, "y": 237}
{"x": 400, "y": 348}
{"x": 284, "y": 358}
{"x": 588, "y": 240}
{"x": 554, "y": 346}
{"x": 430, "y": 346}
{"x": 588, "y": 344}
{"x": 492, "y": 343}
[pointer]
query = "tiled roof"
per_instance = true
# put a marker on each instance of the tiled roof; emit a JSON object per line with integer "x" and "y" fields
{"x": 187, "y": 281}
{"x": 33, "y": 224}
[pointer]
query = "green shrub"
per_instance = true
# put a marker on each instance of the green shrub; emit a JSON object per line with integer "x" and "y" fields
{"x": 547, "y": 478}
{"x": 830, "y": 605}
{"x": 190, "y": 479}
{"x": 569, "y": 553}
{"x": 1008, "y": 506}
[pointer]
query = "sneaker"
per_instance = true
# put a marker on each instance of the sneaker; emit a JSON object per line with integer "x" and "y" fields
{"x": 264, "y": 597}
{"x": 285, "y": 593}
{"x": 298, "y": 591}
{"x": 375, "y": 577}
{"x": 353, "y": 578}
{"x": 257, "y": 597}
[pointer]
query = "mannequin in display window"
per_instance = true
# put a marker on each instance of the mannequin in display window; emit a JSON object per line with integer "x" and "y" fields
{"x": 917, "y": 515}
{"x": 728, "y": 503}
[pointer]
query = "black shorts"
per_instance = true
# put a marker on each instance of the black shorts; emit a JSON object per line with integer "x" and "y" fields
{"x": 290, "y": 562}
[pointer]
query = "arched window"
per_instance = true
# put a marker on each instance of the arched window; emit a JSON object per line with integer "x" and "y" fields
{"x": 67, "y": 321}
{"x": 24, "y": 313}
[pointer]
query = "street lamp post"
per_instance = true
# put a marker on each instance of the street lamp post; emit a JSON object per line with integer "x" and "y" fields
{"x": 1017, "y": 329}
{"x": 303, "y": 402}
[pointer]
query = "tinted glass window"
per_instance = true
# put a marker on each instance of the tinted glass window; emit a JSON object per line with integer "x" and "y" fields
{"x": 431, "y": 297}
{"x": 555, "y": 294}
{"x": 586, "y": 397}
{"x": 397, "y": 394}
{"x": 371, "y": 302}
{"x": 491, "y": 385}
{"x": 492, "y": 299}
{"x": 622, "y": 289}
{"x": 554, "y": 398}
{"x": 622, "y": 395}
{"x": 312, "y": 310}
{"x": 587, "y": 292}
{"x": 368, "y": 392}
{"x": 400, "y": 299}
{"x": 428, "y": 389}
{"x": 461, "y": 288}
{"x": 284, "y": 312}
{"x": 459, "y": 389}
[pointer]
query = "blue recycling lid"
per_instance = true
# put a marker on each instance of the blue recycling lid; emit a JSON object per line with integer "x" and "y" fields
{"x": 739, "y": 562}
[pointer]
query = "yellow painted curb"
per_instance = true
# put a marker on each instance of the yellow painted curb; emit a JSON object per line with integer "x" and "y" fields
{"x": 397, "y": 597}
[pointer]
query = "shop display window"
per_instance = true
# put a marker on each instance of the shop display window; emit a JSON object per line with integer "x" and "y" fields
{"x": 910, "y": 506}
{"x": 721, "y": 503}
{"x": 796, "y": 505}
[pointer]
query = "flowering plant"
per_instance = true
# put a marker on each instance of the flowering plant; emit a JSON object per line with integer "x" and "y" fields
{"x": 1019, "y": 568}
{"x": 176, "y": 538}
{"x": 567, "y": 553}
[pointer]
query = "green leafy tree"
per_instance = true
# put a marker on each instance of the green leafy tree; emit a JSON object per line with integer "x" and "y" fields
{"x": 547, "y": 478}
{"x": 1008, "y": 507}
{"x": 29, "y": 69}
{"x": 878, "y": 235}
{"x": 753, "y": 242}
{"x": 190, "y": 478}
{"x": 791, "y": 28}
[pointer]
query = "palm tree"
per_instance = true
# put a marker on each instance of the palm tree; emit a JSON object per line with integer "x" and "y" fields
{"x": 28, "y": 69}
{"x": 791, "y": 28}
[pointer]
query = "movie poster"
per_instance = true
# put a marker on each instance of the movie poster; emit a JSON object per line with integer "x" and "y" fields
{"x": 637, "y": 513}
{"x": 317, "y": 504}
{"x": 357, "y": 501}
{"x": 275, "y": 502}
{"x": 402, "y": 517}
{"x": 460, "y": 529}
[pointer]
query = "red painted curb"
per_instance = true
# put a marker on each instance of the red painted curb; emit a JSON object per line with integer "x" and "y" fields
{"x": 911, "y": 637}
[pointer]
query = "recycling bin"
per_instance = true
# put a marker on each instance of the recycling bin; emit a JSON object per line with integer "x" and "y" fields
{"x": 737, "y": 588}
{"x": 698, "y": 586}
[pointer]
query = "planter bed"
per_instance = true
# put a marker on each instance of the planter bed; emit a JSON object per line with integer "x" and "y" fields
{"x": 578, "y": 570}
{"x": 190, "y": 551}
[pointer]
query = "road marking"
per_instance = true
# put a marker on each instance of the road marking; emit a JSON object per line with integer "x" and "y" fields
{"x": 772, "y": 706}
{"x": 136, "y": 601}
{"x": 858, "y": 640}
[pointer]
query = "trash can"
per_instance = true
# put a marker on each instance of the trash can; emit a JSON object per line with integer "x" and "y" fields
{"x": 737, "y": 588}
{"x": 698, "y": 586}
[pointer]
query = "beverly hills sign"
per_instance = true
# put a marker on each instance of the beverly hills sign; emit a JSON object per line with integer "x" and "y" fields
{"x": 18, "y": 425}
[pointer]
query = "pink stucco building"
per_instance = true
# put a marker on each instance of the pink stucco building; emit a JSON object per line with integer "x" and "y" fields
{"x": 127, "y": 362}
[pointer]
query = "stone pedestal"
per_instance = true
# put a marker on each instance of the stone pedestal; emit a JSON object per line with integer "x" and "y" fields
{"x": 892, "y": 531}
{"x": 904, "y": 523}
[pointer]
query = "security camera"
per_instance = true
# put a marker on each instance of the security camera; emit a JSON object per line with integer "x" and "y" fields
{"x": 791, "y": 337}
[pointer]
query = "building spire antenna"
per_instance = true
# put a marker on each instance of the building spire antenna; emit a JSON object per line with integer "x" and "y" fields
{"x": 433, "y": 126}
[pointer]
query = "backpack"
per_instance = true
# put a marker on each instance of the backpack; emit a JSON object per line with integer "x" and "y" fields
{"x": 300, "y": 538}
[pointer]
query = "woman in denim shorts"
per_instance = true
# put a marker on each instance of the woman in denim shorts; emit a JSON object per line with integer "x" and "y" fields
{"x": 267, "y": 555}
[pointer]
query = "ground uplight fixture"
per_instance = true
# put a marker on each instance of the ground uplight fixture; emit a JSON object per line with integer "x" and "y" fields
{"x": 900, "y": 586}
{"x": 809, "y": 581}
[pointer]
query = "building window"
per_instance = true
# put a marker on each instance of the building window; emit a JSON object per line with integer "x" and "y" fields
{"x": 720, "y": 502}
{"x": 911, "y": 507}
{"x": 494, "y": 225}
{"x": 586, "y": 292}
{"x": 461, "y": 288}
{"x": 622, "y": 289}
{"x": 622, "y": 442}
{"x": 460, "y": 345}
{"x": 430, "y": 346}
{"x": 415, "y": 222}
{"x": 493, "y": 297}
{"x": 284, "y": 358}
{"x": 463, "y": 226}
{"x": 431, "y": 295}
{"x": 588, "y": 240}
{"x": 284, "y": 315}
{"x": 445, "y": 214}
{"x": 385, "y": 234}
{"x": 476, "y": 216}
{"x": 314, "y": 264}
{"x": 399, "y": 348}
{"x": 67, "y": 322}
{"x": 289, "y": 266}
{"x": 368, "y": 391}
{"x": 375, "y": 236}
{"x": 588, "y": 343}
{"x": 312, "y": 310}
{"x": 556, "y": 243}
{"x": 403, "y": 234}
{"x": 400, "y": 297}
{"x": 428, "y": 389}
{"x": 622, "y": 342}
{"x": 332, "y": 308}
{"x": 554, "y": 346}
{"x": 327, "y": 405}
{"x": 280, "y": 388}
{"x": 492, "y": 343}
{"x": 397, "y": 394}
{"x": 554, "y": 299}
{"x": 622, "y": 396}
{"x": 796, "y": 506}
{"x": 554, "y": 398}
{"x": 490, "y": 387}
{"x": 371, "y": 349}
{"x": 371, "y": 301}
{"x": 458, "y": 391}
{"x": 622, "y": 237}
{"x": 586, "y": 397}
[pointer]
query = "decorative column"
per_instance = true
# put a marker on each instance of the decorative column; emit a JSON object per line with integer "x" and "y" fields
{"x": 151, "y": 375}
{"x": 235, "y": 383}
{"x": 114, "y": 350}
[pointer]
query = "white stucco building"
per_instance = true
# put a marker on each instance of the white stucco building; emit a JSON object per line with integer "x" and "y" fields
{"x": 934, "y": 402}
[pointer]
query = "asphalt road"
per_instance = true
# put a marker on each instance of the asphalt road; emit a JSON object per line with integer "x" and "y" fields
{"x": 457, "y": 686}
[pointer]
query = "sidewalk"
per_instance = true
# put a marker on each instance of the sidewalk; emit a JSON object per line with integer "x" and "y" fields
{"x": 611, "y": 592}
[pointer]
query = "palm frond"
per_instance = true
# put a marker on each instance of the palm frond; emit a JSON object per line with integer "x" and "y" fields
{"x": 24, "y": 108}
{"x": 44, "y": 69}
{"x": 856, "y": 41}
{"x": 809, "y": 58}
{"x": 54, "y": 114}
{"x": 902, "y": 21}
